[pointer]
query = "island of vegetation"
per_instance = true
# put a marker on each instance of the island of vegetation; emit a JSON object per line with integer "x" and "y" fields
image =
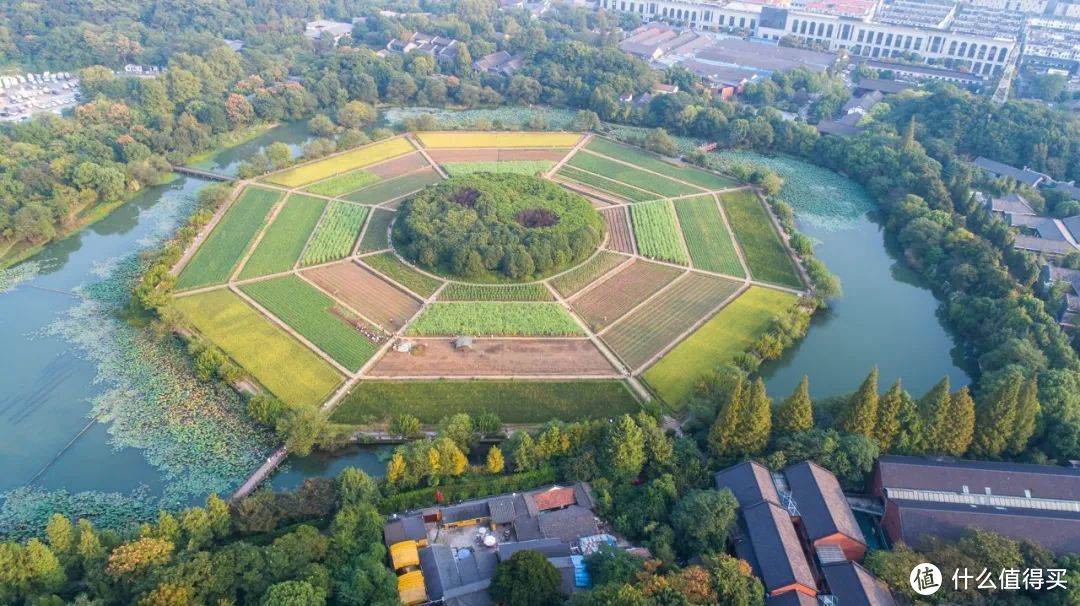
{"x": 488, "y": 226}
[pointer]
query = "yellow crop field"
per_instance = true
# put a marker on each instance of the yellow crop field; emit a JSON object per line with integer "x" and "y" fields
{"x": 451, "y": 139}
{"x": 283, "y": 365}
{"x": 350, "y": 160}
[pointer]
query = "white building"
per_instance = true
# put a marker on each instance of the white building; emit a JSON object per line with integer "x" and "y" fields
{"x": 955, "y": 40}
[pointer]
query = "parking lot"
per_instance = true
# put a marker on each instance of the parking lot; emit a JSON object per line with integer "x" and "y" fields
{"x": 22, "y": 96}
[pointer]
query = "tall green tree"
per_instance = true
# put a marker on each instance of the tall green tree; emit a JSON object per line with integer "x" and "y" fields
{"x": 702, "y": 521}
{"x": 624, "y": 449}
{"x": 995, "y": 416}
{"x": 1027, "y": 411}
{"x": 526, "y": 578}
{"x": 934, "y": 412}
{"x": 961, "y": 428}
{"x": 887, "y": 424}
{"x": 756, "y": 424}
{"x": 796, "y": 413}
{"x": 859, "y": 415}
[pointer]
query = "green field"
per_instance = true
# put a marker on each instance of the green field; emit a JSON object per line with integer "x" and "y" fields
{"x": 710, "y": 243}
{"x": 384, "y": 191}
{"x": 376, "y": 236}
{"x": 216, "y": 258}
{"x": 512, "y": 401}
{"x": 631, "y": 176}
{"x": 647, "y": 160}
{"x": 584, "y": 274}
{"x": 308, "y": 311}
{"x": 533, "y": 291}
{"x": 283, "y": 242}
{"x": 765, "y": 253}
{"x": 717, "y": 342}
{"x": 605, "y": 185}
{"x": 261, "y": 348}
{"x": 519, "y": 167}
{"x": 343, "y": 184}
{"x": 389, "y": 265}
{"x": 656, "y": 232}
{"x": 495, "y": 318}
{"x": 336, "y": 234}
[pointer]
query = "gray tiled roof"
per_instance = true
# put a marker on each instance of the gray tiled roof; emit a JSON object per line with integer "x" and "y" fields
{"x": 404, "y": 529}
{"x": 952, "y": 475}
{"x": 779, "y": 555}
{"x": 821, "y": 502}
{"x": 749, "y": 482}
{"x": 568, "y": 524}
{"x": 551, "y": 548}
{"x": 853, "y": 585}
{"x": 502, "y": 509}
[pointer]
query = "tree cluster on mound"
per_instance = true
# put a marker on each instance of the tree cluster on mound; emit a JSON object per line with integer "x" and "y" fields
{"x": 511, "y": 226}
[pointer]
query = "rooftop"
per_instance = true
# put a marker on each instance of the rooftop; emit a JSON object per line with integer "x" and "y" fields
{"x": 1024, "y": 175}
{"x": 780, "y": 558}
{"x": 1013, "y": 204}
{"x": 821, "y": 502}
{"x": 749, "y": 482}
{"x": 853, "y": 585}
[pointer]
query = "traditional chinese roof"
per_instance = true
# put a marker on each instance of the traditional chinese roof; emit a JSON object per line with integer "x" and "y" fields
{"x": 821, "y": 502}
{"x": 853, "y": 585}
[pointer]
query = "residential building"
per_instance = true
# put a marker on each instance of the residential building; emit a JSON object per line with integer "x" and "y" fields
{"x": 326, "y": 31}
{"x": 965, "y": 37}
{"x": 1012, "y": 204}
{"x": 442, "y": 48}
{"x": 886, "y": 87}
{"x": 943, "y": 497}
{"x": 500, "y": 62}
{"x": 792, "y": 526}
{"x": 1024, "y": 176}
{"x": 1068, "y": 315}
{"x": 448, "y": 554}
{"x": 1053, "y": 42}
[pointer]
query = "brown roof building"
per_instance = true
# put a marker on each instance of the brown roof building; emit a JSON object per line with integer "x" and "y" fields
{"x": 942, "y": 497}
{"x": 823, "y": 510}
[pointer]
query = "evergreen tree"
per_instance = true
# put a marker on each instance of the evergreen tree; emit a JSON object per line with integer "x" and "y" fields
{"x": 624, "y": 449}
{"x": 995, "y": 416}
{"x": 961, "y": 426}
{"x": 887, "y": 425}
{"x": 495, "y": 462}
{"x": 1027, "y": 409}
{"x": 934, "y": 412}
{"x": 723, "y": 430}
{"x": 756, "y": 424}
{"x": 910, "y": 435}
{"x": 796, "y": 414}
{"x": 860, "y": 413}
{"x": 524, "y": 453}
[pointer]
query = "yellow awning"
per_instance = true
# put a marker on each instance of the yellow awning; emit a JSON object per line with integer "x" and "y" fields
{"x": 404, "y": 554}
{"x": 411, "y": 588}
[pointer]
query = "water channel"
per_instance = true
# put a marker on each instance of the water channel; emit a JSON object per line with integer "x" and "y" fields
{"x": 886, "y": 317}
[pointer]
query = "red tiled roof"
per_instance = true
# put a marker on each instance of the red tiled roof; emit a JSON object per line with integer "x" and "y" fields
{"x": 554, "y": 498}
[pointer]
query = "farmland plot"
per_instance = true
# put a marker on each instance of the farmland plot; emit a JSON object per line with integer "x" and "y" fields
{"x": 376, "y": 236}
{"x": 649, "y": 161}
{"x": 718, "y": 341}
{"x": 495, "y": 318}
{"x": 604, "y": 185}
{"x": 398, "y": 166}
{"x": 364, "y": 291}
{"x": 390, "y": 266}
{"x": 619, "y": 237}
{"x": 392, "y": 189}
{"x": 656, "y": 232}
{"x": 336, "y": 234}
{"x": 532, "y": 291}
{"x": 584, "y": 274}
{"x": 314, "y": 315}
{"x": 444, "y": 156}
{"x": 709, "y": 241}
{"x": 650, "y": 328}
{"x": 341, "y": 163}
{"x": 765, "y": 253}
{"x": 517, "y": 167}
{"x": 260, "y": 347}
{"x": 216, "y": 258}
{"x": 519, "y": 357}
{"x": 508, "y": 139}
{"x": 342, "y": 184}
{"x": 631, "y": 176}
{"x": 283, "y": 242}
{"x": 621, "y": 291}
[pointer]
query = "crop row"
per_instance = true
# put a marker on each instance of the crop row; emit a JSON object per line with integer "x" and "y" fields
{"x": 495, "y": 318}
{"x": 656, "y": 232}
{"x": 519, "y": 167}
{"x": 341, "y": 163}
{"x": 336, "y": 233}
{"x": 631, "y": 175}
{"x": 508, "y": 140}
{"x": 391, "y": 189}
{"x": 533, "y": 291}
{"x": 765, "y": 254}
{"x": 283, "y": 242}
{"x": 709, "y": 241}
{"x": 343, "y": 184}
{"x": 648, "y": 161}
{"x": 582, "y": 275}
{"x": 390, "y": 266}
{"x": 605, "y": 185}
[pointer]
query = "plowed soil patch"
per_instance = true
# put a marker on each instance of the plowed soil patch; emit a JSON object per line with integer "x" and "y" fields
{"x": 495, "y": 357}
{"x": 364, "y": 291}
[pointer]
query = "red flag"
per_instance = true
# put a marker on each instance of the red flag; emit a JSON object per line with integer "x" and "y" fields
{"x": 438, "y": 496}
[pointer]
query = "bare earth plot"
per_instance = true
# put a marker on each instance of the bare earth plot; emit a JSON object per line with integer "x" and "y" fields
{"x": 491, "y": 357}
{"x": 398, "y": 166}
{"x": 621, "y": 291}
{"x": 365, "y": 292}
{"x": 620, "y": 238}
{"x": 645, "y": 332}
{"x": 443, "y": 156}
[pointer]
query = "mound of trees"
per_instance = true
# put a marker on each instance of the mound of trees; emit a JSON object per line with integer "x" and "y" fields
{"x": 508, "y": 226}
